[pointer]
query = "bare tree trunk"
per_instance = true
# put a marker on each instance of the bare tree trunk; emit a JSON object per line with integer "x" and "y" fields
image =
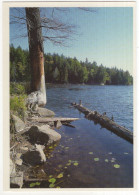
{"x": 36, "y": 52}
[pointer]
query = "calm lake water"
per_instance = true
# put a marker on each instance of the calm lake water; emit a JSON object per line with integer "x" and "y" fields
{"x": 89, "y": 156}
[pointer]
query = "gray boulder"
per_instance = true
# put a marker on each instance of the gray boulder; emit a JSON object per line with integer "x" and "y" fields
{"x": 36, "y": 97}
{"x": 16, "y": 181}
{"x": 12, "y": 168}
{"x": 18, "y": 159}
{"x": 58, "y": 124}
{"x": 32, "y": 158}
{"x": 42, "y": 135}
{"x": 19, "y": 124}
{"x": 45, "y": 112}
{"x": 40, "y": 148}
{"x": 16, "y": 178}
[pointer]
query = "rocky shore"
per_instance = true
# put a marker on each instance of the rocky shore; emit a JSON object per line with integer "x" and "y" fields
{"x": 29, "y": 142}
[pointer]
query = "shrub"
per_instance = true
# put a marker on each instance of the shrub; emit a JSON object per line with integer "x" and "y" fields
{"x": 18, "y": 106}
{"x": 16, "y": 88}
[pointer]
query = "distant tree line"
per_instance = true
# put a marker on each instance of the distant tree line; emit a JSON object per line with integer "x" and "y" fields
{"x": 61, "y": 69}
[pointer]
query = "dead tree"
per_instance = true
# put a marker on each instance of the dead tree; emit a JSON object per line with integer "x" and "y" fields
{"x": 36, "y": 52}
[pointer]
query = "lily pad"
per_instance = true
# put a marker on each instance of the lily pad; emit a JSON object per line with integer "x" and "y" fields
{"x": 116, "y": 166}
{"x": 90, "y": 153}
{"x": 37, "y": 183}
{"x": 68, "y": 164}
{"x": 75, "y": 164}
{"x": 106, "y": 160}
{"x": 51, "y": 185}
{"x": 96, "y": 159}
{"x": 52, "y": 180}
{"x": 60, "y": 175}
{"x": 50, "y": 176}
{"x": 59, "y": 166}
{"x": 66, "y": 148}
{"x": 32, "y": 185}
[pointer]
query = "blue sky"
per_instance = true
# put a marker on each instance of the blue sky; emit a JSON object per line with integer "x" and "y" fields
{"x": 104, "y": 36}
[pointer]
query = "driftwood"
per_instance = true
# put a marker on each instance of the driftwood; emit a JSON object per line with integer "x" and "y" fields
{"x": 69, "y": 125}
{"x": 106, "y": 122}
{"x": 54, "y": 119}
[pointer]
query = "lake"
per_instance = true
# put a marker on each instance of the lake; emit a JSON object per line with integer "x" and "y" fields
{"x": 114, "y": 100}
{"x": 89, "y": 156}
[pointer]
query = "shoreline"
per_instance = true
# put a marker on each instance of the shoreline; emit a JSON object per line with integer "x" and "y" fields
{"x": 80, "y": 84}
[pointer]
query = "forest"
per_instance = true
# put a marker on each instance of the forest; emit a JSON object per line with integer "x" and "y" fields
{"x": 61, "y": 69}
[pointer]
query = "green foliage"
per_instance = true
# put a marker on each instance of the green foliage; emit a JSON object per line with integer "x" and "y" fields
{"x": 52, "y": 180}
{"x": 19, "y": 65}
{"x": 116, "y": 166}
{"x": 96, "y": 159}
{"x": 51, "y": 185}
{"x": 75, "y": 164}
{"x": 17, "y": 105}
{"x": 60, "y": 175}
{"x": 16, "y": 88}
{"x": 60, "y": 69}
{"x": 34, "y": 184}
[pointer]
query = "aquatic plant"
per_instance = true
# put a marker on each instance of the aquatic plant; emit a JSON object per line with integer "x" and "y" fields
{"x": 90, "y": 153}
{"x": 75, "y": 164}
{"x": 116, "y": 166}
{"x": 96, "y": 159}
{"x": 60, "y": 175}
{"x": 51, "y": 185}
{"x": 34, "y": 184}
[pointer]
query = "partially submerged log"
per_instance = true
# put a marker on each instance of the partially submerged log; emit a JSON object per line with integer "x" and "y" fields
{"x": 68, "y": 124}
{"x": 53, "y": 119}
{"x": 106, "y": 122}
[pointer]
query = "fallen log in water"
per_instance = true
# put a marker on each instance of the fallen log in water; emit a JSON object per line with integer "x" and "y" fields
{"x": 53, "y": 119}
{"x": 106, "y": 122}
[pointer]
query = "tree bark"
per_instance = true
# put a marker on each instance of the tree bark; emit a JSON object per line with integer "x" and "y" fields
{"x": 36, "y": 51}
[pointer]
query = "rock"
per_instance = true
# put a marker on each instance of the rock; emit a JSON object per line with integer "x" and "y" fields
{"x": 26, "y": 114}
{"x": 19, "y": 124}
{"x": 17, "y": 180}
{"x": 45, "y": 112}
{"x": 24, "y": 148}
{"x": 18, "y": 159}
{"x": 51, "y": 124}
{"x": 18, "y": 155}
{"x": 33, "y": 158}
{"x": 40, "y": 148}
{"x": 18, "y": 162}
{"x": 36, "y": 97}
{"x": 12, "y": 168}
{"x": 58, "y": 124}
{"x": 42, "y": 135}
{"x": 53, "y": 135}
